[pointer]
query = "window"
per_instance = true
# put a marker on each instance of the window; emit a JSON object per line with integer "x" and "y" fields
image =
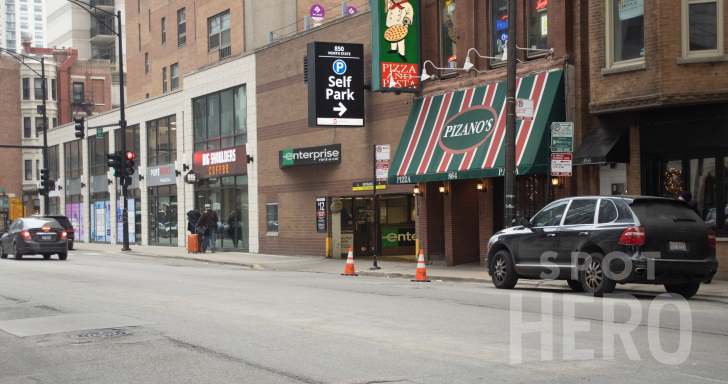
{"x": 162, "y": 140}
{"x": 37, "y": 169}
{"x": 26, "y": 88}
{"x": 38, "y": 26}
{"x": 53, "y": 166}
{"x": 181, "y": 28}
{"x": 26, "y": 127}
{"x": 37, "y": 8}
{"x": 271, "y": 214}
{"x": 164, "y": 79}
{"x": 625, "y": 31}
{"x": 499, "y": 27}
{"x": 28, "y": 169}
{"x": 23, "y": 25}
{"x": 133, "y": 141}
{"x": 537, "y": 25}
{"x": 55, "y": 122}
{"x": 140, "y": 37}
{"x": 219, "y": 31}
{"x": 39, "y": 35}
{"x": 702, "y": 28}
{"x": 38, "y": 44}
{"x": 38, "y": 89}
{"x": 53, "y": 89}
{"x": 35, "y": 17}
{"x": 38, "y": 126}
{"x": 23, "y": 16}
{"x": 581, "y": 211}
{"x": 97, "y": 150}
{"x": 23, "y": 7}
{"x": 78, "y": 93}
{"x": 551, "y": 215}
{"x": 11, "y": 8}
{"x": 11, "y": 36}
{"x": 220, "y": 119}
{"x": 607, "y": 211}
{"x": 10, "y": 17}
{"x": 448, "y": 35}
{"x": 164, "y": 31}
{"x": 146, "y": 63}
{"x": 174, "y": 72}
{"x": 10, "y": 26}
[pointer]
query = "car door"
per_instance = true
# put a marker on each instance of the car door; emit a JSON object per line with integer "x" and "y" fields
{"x": 7, "y": 240}
{"x": 575, "y": 230}
{"x": 539, "y": 238}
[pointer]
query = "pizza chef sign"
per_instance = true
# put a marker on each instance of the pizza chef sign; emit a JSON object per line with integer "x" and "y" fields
{"x": 395, "y": 45}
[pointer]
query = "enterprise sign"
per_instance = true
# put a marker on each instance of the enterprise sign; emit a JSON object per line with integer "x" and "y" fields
{"x": 311, "y": 155}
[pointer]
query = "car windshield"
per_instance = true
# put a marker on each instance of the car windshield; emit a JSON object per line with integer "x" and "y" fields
{"x": 39, "y": 223}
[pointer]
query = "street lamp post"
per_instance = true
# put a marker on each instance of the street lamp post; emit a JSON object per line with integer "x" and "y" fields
{"x": 122, "y": 118}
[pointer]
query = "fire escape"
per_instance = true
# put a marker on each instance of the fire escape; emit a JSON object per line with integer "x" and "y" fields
{"x": 83, "y": 100}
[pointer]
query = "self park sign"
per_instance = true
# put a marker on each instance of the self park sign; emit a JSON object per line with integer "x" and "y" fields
{"x": 395, "y": 45}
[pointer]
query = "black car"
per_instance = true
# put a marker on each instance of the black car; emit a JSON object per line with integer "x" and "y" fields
{"x": 595, "y": 242}
{"x": 35, "y": 236}
{"x": 65, "y": 222}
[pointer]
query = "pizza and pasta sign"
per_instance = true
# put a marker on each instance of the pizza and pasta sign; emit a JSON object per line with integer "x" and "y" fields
{"x": 395, "y": 45}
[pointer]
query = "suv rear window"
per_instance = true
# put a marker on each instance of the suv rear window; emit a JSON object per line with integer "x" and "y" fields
{"x": 663, "y": 211}
{"x": 38, "y": 223}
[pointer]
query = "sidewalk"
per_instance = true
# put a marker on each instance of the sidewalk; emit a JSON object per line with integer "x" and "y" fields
{"x": 467, "y": 273}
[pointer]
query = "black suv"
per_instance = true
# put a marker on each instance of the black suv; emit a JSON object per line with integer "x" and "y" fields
{"x": 595, "y": 242}
{"x": 65, "y": 223}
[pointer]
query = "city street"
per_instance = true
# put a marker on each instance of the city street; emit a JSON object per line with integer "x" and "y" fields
{"x": 185, "y": 321}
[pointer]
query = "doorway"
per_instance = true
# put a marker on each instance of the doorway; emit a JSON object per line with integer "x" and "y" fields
{"x": 163, "y": 227}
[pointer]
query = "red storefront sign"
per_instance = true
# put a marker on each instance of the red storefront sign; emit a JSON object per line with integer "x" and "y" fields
{"x": 221, "y": 162}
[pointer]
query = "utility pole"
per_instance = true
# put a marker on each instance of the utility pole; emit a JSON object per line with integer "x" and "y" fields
{"x": 510, "y": 169}
{"x": 122, "y": 124}
{"x": 46, "y": 198}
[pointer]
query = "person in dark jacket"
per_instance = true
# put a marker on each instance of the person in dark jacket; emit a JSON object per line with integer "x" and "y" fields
{"x": 193, "y": 216}
{"x": 687, "y": 196}
{"x": 208, "y": 220}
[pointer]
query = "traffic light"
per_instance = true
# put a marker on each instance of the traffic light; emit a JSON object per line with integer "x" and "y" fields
{"x": 44, "y": 181}
{"x": 129, "y": 163}
{"x": 80, "y": 129}
{"x": 114, "y": 163}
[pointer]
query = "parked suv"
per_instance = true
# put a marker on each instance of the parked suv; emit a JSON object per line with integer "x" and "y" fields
{"x": 595, "y": 242}
{"x": 65, "y": 223}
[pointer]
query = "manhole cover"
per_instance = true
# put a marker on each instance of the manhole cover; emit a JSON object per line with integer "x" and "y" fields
{"x": 101, "y": 334}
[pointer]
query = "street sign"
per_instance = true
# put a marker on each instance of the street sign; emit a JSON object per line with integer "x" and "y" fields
{"x": 562, "y": 137}
{"x": 382, "y": 162}
{"x": 367, "y": 185}
{"x": 320, "y": 214}
{"x": 2, "y": 189}
{"x": 561, "y": 164}
{"x": 4, "y": 203}
{"x": 99, "y": 133}
{"x": 335, "y": 84}
{"x": 524, "y": 109}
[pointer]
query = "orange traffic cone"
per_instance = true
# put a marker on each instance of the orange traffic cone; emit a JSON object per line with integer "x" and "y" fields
{"x": 349, "y": 270}
{"x": 421, "y": 274}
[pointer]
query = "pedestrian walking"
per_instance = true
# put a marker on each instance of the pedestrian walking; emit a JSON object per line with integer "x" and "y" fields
{"x": 208, "y": 221}
{"x": 193, "y": 216}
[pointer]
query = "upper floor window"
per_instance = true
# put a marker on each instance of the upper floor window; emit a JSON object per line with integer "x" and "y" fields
{"x": 164, "y": 31}
{"x": 23, "y": 25}
{"x": 11, "y": 8}
{"x": 27, "y": 129}
{"x": 78, "y": 93}
{"x": 28, "y": 169}
{"x": 97, "y": 150}
{"x": 38, "y": 17}
{"x": 26, "y": 88}
{"x": 39, "y": 35}
{"x": 219, "y": 31}
{"x": 537, "y": 25}
{"x": 449, "y": 35}
{"x": 53, "y": 89}
{"x": 23, "y": 16}
{"x": 164, "y": 79}
{"x": 181, "y": 28}
{"x": 73, "y": 159}
{"x": 38, "y": 89}
{"x": 10, "y": 17}
{"x": 220, "y": 119}
{"x": 174, "y": 72}
{"x": 702, "y": 28}
{"x": 37, "y": 8}
{"x": 625, "y": 23}
{"x": 498, "y": 28}
{"x": 162, "y": 140}
{"x": 38, "y": 26}
{"x": 146, "y": 63}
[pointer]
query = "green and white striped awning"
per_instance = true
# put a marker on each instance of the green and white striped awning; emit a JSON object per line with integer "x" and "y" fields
{"x": 461, "y": 135}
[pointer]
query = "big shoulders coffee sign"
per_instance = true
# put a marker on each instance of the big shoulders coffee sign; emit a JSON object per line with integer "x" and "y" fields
{"x": 221, "y": 162}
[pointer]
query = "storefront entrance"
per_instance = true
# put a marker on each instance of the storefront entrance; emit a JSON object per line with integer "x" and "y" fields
{"x": 228, "y": 197}
{"x": 163, "y": 216}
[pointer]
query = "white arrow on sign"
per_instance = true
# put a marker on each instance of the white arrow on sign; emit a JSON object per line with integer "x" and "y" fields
{"x": 341, "y": 109}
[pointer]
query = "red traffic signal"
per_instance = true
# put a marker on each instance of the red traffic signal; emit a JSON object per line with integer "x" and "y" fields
{"x": 130, "y": 155}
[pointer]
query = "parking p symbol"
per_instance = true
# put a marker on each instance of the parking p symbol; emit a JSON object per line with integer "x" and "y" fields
{"x": 339, "y": 67}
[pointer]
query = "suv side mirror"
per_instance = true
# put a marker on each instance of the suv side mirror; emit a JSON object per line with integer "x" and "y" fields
{"x": 526, "y": 222}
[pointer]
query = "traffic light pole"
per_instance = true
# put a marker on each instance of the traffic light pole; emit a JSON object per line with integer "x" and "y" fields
{"x": 122, "y": 124}
{"x": 510, "y": 166}
{"x": 46, "y": 198}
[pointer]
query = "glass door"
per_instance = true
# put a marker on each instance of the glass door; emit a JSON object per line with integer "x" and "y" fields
{"x": 152, "y": 221}
{"x": 671, "y": 178}
{"x": 363, "y": 226}
{"x": 703, "y": 188}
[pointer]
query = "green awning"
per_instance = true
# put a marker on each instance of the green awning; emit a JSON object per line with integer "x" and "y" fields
{"x": 461, "y": 135}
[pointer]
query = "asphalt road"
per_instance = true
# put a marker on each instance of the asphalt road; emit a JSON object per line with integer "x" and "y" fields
{"x": 205, "y": 323}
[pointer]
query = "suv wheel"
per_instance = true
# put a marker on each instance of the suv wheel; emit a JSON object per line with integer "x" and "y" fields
{"x": 575, "y": 285}
{"x": 17, "y": 253}
{"x": 47, "y": 256}
{"x": 70, "y": 245}
{"x": 686, "y": 290}
{"x": 63, "y": 255}
{"x": 3, "y": 255}
{"x": 593, "y": 277}
{"x": 502, "y": 270}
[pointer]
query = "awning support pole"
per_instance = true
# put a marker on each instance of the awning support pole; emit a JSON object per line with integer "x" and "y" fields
{"x": 510, "y": 166}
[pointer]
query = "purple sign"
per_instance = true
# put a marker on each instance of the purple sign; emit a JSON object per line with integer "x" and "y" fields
{"x": 317, "y": 12}
{"x": 351, "y": 10}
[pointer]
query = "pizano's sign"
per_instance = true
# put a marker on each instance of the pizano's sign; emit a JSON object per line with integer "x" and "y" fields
{"x": 221, "y": 162}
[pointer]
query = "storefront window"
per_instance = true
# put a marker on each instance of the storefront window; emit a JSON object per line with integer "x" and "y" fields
{"x": 499, "y": 27}
{"x": 73, "y": 159}
{"x": 134, "y": 215}
{"x": 97, "y": 150}
{"x": 53, "y": 166}
{"x": 163, "y": 227}
{"x": 671, "y": 178}
{"x": 271, "y": 218}
{"x": 162, "y": 140}
{"x": 628, "y": 35}
{"x": 228, "y": 197}
{"x": 220, "y": 120}
{"x": 74, "y": 211}
{"x": 133, "y": 140}
{"x": 100, "y": 217}
{"x": 449, "y": 35}
{"x": 703, "y": 188}
{"x": 54, "y": 204}
{"x": 537, "y": 24}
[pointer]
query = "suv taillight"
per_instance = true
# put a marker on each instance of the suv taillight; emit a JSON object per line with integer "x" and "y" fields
{"x": 711, "y": 239}
{"x": 26, "y": 236}
{"x": 633, "y": 236}
{"x": 64, "y": 236}
{"x": 69, "y": 229}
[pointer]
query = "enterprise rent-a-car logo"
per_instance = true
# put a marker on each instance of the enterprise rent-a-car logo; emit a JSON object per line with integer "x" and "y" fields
{"x": 312, "y": 155}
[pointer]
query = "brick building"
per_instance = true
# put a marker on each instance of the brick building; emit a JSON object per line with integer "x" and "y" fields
{"x": 658, "y": 97}
{"x": 451, "y": 228}
{"x": 11, "y": 132}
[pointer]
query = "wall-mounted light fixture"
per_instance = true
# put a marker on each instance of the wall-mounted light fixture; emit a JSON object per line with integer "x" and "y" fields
{"x": 141, "y": 177}
{"x": 443, "y": 189}
{"x": 481, "y": 186}
{"x": 110, "y": 182}
{"x": 184, "y": 160}
{"x": 556, "y": 182}
{"x": 83, "y": 185}
{"x": 417, "y": 190}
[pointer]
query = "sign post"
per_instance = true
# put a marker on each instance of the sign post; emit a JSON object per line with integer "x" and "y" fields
{"x": 381, "y": 168}
{"x": 335, "y": 84}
